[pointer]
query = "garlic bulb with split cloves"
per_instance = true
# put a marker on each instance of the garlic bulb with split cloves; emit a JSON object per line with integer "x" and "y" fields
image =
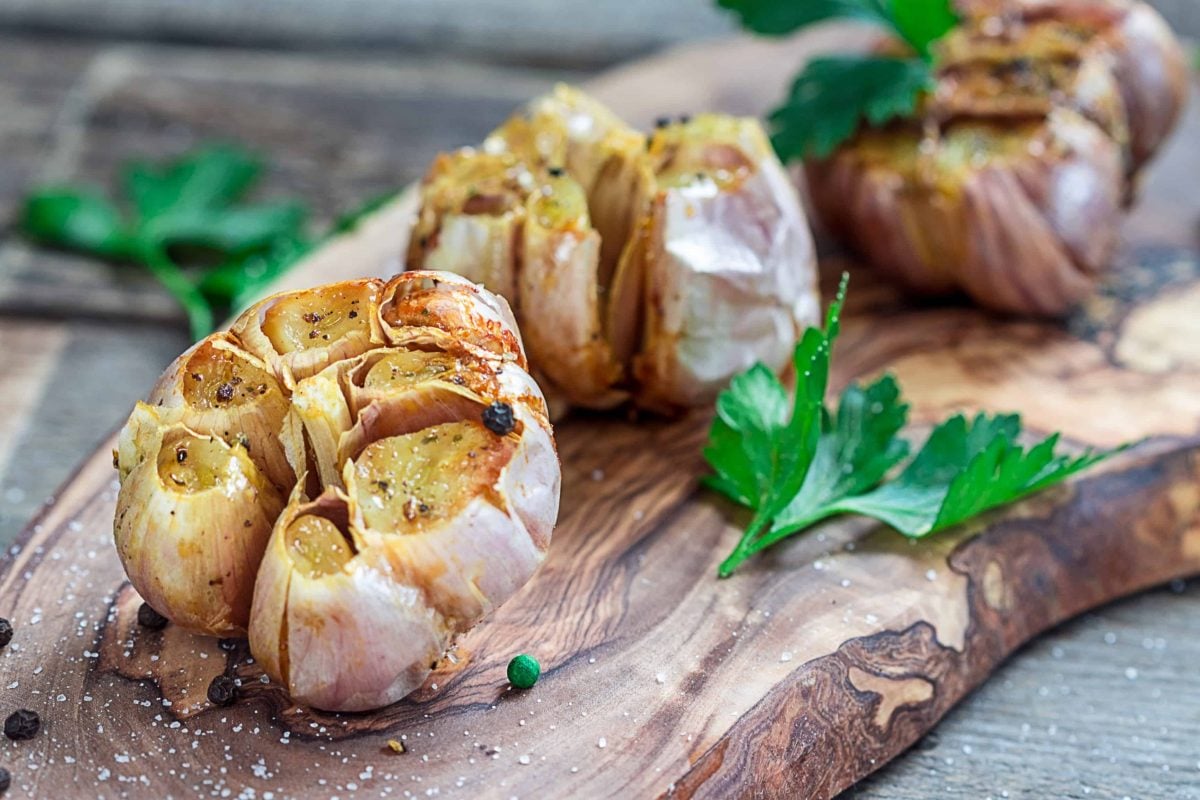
{"x": 644, "y": 269}
{"x": 355, "y": 474}
{"x": 1011, "y": 183}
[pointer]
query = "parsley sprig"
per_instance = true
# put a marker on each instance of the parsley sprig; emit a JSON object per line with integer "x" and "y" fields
{"x": 834, "y": 95}
{"x": 794, "y": 462}
{"x": 186, "y": 222}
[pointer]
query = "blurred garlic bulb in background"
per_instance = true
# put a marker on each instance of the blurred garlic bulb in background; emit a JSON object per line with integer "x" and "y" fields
{"x": 355, "y": 474}
{"x": 644, "y": 269}
{"x": 1011, "y": 184}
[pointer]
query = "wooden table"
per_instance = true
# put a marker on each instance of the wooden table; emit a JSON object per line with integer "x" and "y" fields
{"x": 1105, "y": 707}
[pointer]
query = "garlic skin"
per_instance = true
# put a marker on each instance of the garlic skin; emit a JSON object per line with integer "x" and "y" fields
{"x": 1011, "y": 185}
{"x": 410, "y": 514}
{"x": 730, "y": 266}
{"x": 1024, "y": 225}
{"x": 648, "y": 270}
{"x": 193, "y": 516}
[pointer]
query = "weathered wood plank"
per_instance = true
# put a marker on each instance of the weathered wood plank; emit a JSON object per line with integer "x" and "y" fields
{"x": 562, "y": 31}
{"x": 66, "y": 384}
{"x": 337, "y": 131}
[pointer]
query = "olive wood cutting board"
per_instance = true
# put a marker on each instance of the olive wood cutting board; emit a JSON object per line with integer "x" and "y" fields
{"x": 814, "y": 665}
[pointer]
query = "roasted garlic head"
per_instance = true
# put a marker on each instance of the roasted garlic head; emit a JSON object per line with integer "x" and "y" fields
{"x": 650, "y": 269}
{"x": 354, "y": 474}
{"x": 1012, "y": 182}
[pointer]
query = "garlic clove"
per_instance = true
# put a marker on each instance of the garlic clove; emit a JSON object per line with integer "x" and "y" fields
{"x": 730, "y": 266}
{"x": 298, "y": 334}
{"x": 353, "y": 609}
{"x": 193, "y": 516}
{"x": 423, "y": 309}
{"x": 559, "y": 284}
{"x": 340, "y": 633}
{"x": 471, "y": 217}
{"x": 218, "y": 388}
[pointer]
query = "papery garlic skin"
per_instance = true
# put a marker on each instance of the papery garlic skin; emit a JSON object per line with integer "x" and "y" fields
{"x": 638, "y": 277}
{"x": 730, "y": 267}
{"x": 408, "y": 519}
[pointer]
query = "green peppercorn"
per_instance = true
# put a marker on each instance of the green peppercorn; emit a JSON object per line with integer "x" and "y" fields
{"x": 523, "y": 671}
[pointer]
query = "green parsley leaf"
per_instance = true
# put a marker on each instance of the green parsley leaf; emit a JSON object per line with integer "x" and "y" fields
{"x": 75, "y": 219}
{"x": 794, "y": 463}
{"x": 832, "y": 96}
{"x": 965, "y": 469}
{"x": 760, "y": 444}
{"x": 188, "y": 226}
{"x": 919, "y": 23}
{"x": 778, "y": 17}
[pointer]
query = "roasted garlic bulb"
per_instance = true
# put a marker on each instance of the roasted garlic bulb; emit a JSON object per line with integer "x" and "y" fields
{"x": 650, "y": 269}
{"x": 1012, "y": 182}
{"x": 355, "y": 474}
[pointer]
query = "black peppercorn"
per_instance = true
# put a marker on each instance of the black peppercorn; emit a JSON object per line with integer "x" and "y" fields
{"x": 498, "y": 418}
{"x": 555, "y": 172}
{"x": 5, "y": 780}
{"x": 22, "y": 724}
{"x": 228, "y": 645}
{"x": 662, "y": 122}
{"x": 149, "y": 618}
{"x": 225, "y": 390}
{"x": 6, "y": 632}
{"x": 222, "y": 691}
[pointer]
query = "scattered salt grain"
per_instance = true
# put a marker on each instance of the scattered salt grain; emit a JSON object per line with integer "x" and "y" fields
{"x": 602, "y": 743}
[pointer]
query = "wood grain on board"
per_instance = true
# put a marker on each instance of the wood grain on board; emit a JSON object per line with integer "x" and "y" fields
{"x": 813, "y": 666}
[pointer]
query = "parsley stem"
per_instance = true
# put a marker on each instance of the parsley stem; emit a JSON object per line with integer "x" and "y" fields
{"x": 199, "y": 312}
{"x": 746, "y": 547}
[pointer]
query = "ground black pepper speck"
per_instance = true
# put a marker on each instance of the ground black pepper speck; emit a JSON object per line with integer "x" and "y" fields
{"x": 22, "y": 724}
{"x": 149, "y": 618}
{"x": 223, "y": 691}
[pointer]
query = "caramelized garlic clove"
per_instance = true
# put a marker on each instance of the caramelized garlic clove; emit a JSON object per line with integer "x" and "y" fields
{"x": 444, "y": 311}
{"x": 216, "y": 387}
{"x": 472, "y": 211}
{"x": 299, "y": 333}
{"x": 559, "y": 286}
